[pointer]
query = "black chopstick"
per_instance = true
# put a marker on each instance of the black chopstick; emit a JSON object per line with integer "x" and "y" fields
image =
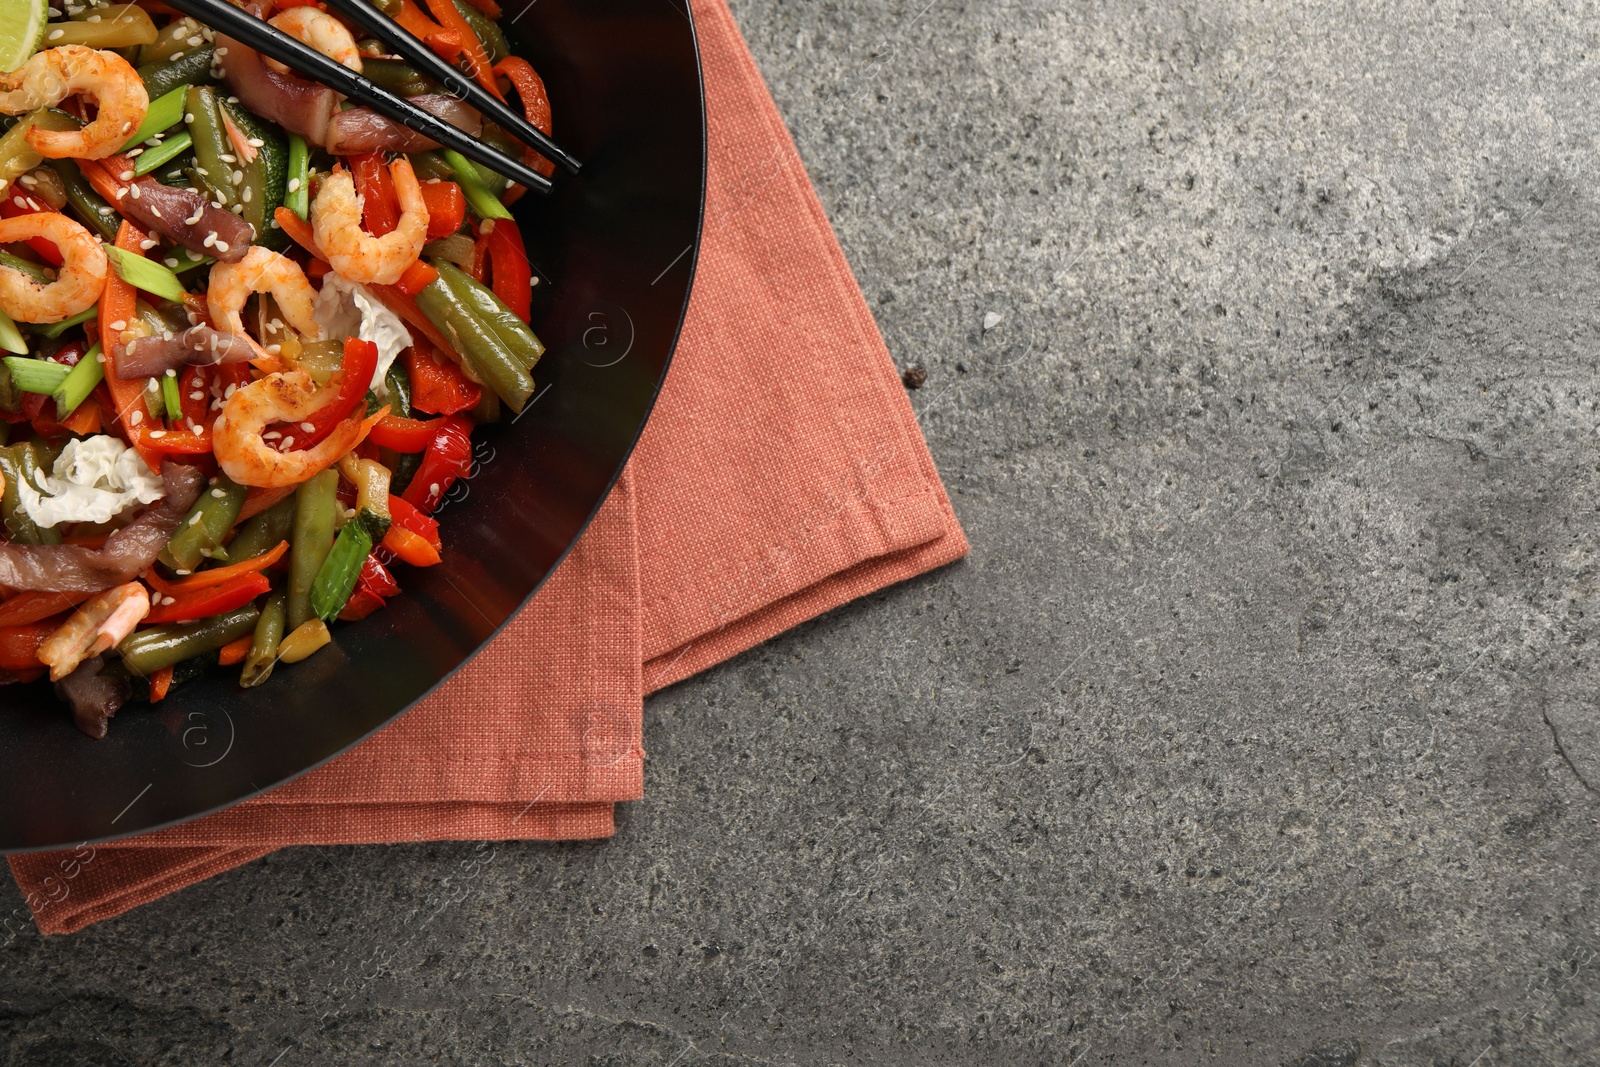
{"x": 270, "y": 41}
{"x": 456, "y": 83}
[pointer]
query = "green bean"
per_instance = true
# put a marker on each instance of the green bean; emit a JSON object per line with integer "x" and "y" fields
{"x": 316, "y": 501}
{"x": 479, "y": 345}
{"x": 431, "y": 164}
{"x": 147, "y": 651}
{"x": 174, "y": 40}
{"x": 397, "y": 76}
{"x": 17, "y": 461}
{"x": 207, "y": 523}
{"x": 193, "y": 69}
{"x": 101, "y": 216}
{"x": 264, "y": 532}
{"x": 263, "y": 654}
{"x": 389, "y": 7}
{"x": 204, "y": 119}
{"x": 492, "y": 311}
{"x": 494, "y": 42}
{"x": 31, "y": 269}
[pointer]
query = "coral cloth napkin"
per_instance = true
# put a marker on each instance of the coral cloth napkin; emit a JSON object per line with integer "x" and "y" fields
{"x": 775, "y": 481}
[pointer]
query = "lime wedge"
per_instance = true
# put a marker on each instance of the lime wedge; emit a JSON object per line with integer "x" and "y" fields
{"x": 21, "y": 30}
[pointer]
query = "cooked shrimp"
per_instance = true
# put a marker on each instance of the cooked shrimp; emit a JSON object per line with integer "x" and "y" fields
{"x": 289, "y": 396}
{"x": 261, "y": 271}
{"x": 321, "y": 31}
{"x": 55, "y": 74}
{"x": 352, "y": 251}
{"x": 98, "y": 625}
{"x": 79, "y": 279}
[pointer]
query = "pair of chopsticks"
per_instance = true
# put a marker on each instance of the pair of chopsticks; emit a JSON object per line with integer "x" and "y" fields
{"x": 270, "y": 41}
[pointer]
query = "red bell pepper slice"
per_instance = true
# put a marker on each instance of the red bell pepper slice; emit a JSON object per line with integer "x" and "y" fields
{"x": 21, "y": 203}
{"x": 449, "y": 457}
{"x": 234, "y": 651}
{"x": 361, "y": 604}
{"x": 407, "y": 517}
{"x": 535, "y": 103}
{"x": 380, "y": 206}
{"x": 209, "y": 600}
{"x": 376, "y": 579}
{"x": 360, "y": 363}
{"x": 29, "y": 606}
{"x": 208, "y": 579}
{"x": 447, "y": 207}
{"x": 19, "y": 645}
{"x": 404, "y": 435}
{"x": 508, "y": 267}
{"x": 437, "y": 384}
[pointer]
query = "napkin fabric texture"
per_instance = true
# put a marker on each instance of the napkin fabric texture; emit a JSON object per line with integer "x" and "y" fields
{"x": 781, "y": 475}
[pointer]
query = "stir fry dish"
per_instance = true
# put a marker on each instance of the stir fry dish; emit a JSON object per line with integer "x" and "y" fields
{"x": 249, "y": 331}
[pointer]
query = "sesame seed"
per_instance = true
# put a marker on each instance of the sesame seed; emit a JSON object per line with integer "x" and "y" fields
{"x": 211, "y": 239}
{"x": 118, "y": 325}
{"x": 175, "y": 57}
{"x": 56, "y": 35}
{"x": 194, "y": 518}
{"x": 171, "y": 262}
{"x": 133, "y": 191}
{"x": 222, "y": 246}
{"x": 200, "y": 170}
{"x": 29, "y": 180}
{"x": 246, "y": 196}
{"x": 227, "y": 157}
{"x": 196, "y": 217}
{"x": 308, "y": 427}
{"x": 172, "y": 372}
{"x": 288, "y": 442}
{"x": 136, "y": 418}
{"x": 189, "y": 117}
{"x": 127, "y": 175}
{"x": 148, "y": 243}
{"x": 271, "y": 435}
{"x": 153, "y": 209}
{"x": 94, "y": 18}
{"x": 195, "y": 42}
{"x": 158, "y": 434}
{"x": 433, "y": 488}
{"x": 294, "y": 185}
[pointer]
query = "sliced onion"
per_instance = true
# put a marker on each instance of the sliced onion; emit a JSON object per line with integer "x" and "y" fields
{"x": 291, "y": 101}
{"x": 361, "y": 129}
{"x": 127, "y": 553}
{"x": 168, "y": 210}
{"x": 458, "y": 248}
{"x": 197, "y": 346}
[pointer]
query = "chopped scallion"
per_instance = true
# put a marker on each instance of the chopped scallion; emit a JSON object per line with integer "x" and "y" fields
{"x": 10, "y": 337}
{"x": 163, "y": 153}
{"x": 79, "y": 382}
{"x": 170, "y": 397}
{"x": 143, "y": 274}
{"x": 36, "y": 375}
{"x": 485, "y": 203}
{"x": 162, "y": 114}
{"x": 56, "y": 329}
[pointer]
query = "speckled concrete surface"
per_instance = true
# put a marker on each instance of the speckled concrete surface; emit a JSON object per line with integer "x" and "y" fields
{"x": 1261, "y": 347}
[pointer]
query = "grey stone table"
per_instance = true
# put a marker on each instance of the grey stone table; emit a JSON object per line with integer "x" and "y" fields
{"x": 1262, "y": 354}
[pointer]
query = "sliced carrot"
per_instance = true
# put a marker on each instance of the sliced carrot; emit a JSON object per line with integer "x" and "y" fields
{"x": 416, "y": 278}
{"x": 471, "y": 48}
{"x": 412, "y": 548}
{"x": 19, "y": 645}
{"x": 234, "y": 651}
{"x": 216, "y": 575}
{"x": 298, "y": 229}
{"x": 85, "y": 418}
{"x": 160, "y": 684}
